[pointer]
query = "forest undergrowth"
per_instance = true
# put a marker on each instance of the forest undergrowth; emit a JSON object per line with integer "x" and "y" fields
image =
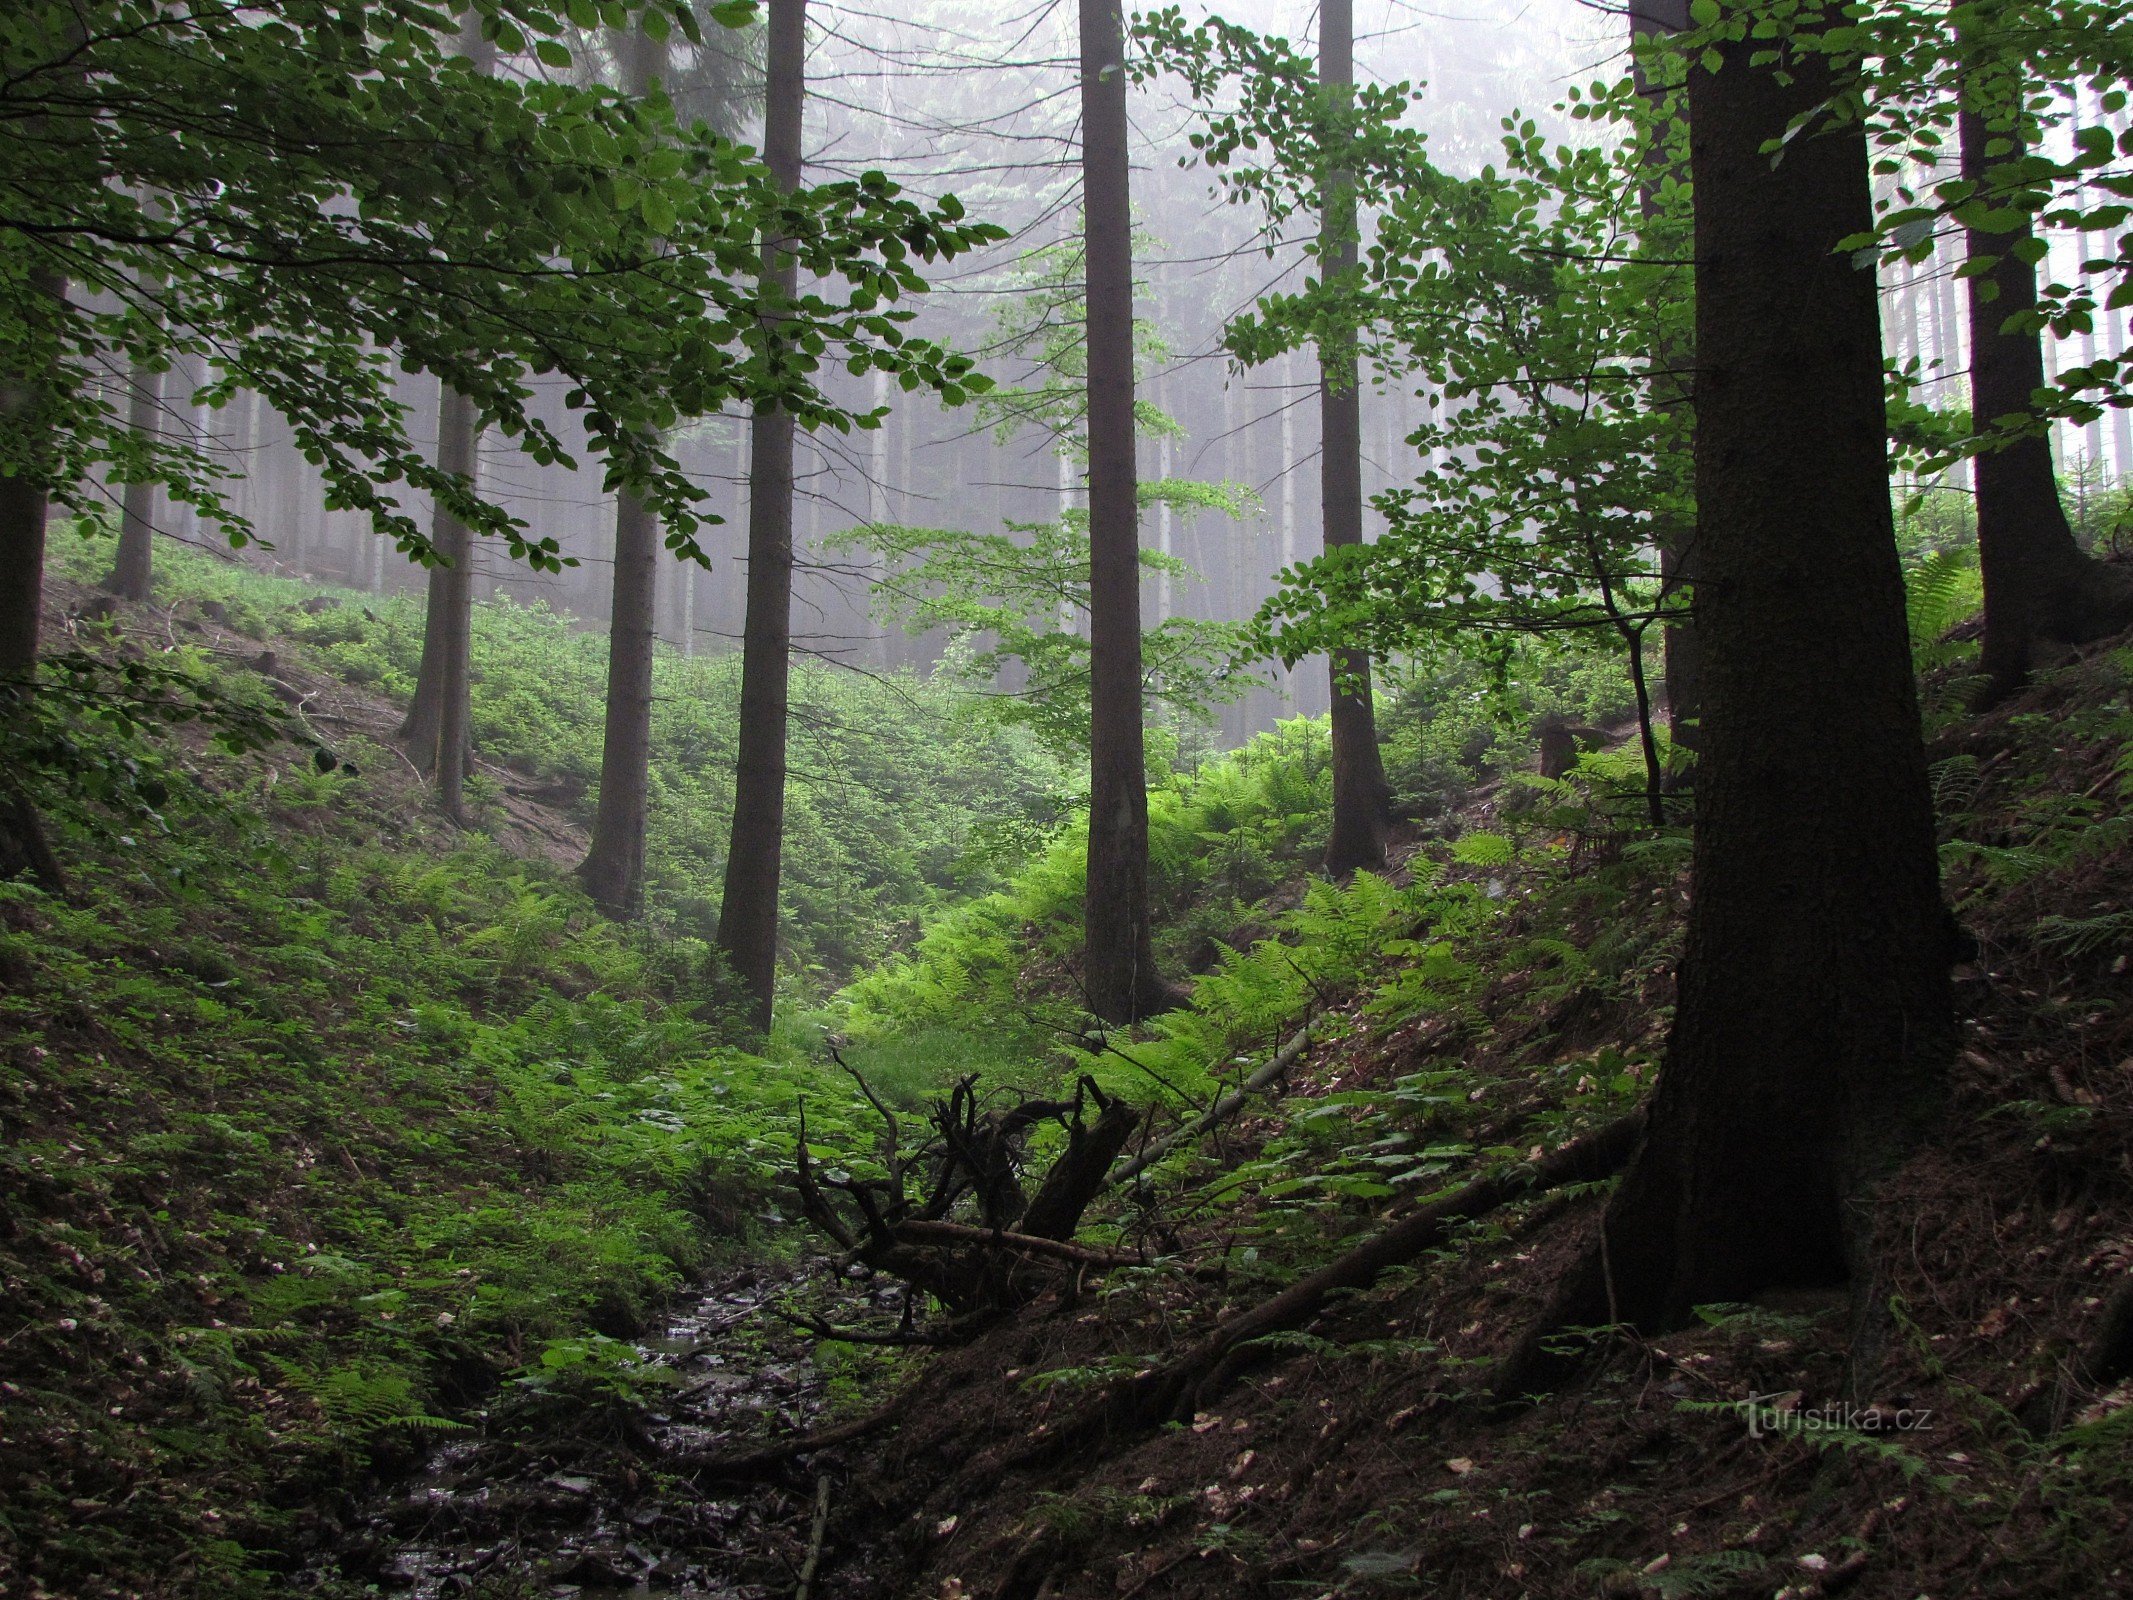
{"x": 1364, "y": 1451}
{"x": 335, "y": 1133}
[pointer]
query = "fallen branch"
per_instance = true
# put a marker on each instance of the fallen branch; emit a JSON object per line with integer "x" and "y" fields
{"x": 1178, "y": 1388}
{"x": 818, "y": 1328}
{"x": 915, "y": 1231}
{"x": 1286, "y": 1057}
{"x": 814, "y": 1538}
{"x": 744, "y": 1466}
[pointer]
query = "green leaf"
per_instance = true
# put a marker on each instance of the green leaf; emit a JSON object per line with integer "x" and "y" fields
{"x": 551, "y": 54}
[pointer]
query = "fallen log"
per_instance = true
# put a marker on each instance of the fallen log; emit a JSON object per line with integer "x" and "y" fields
{"x": 1178, "y": 1388}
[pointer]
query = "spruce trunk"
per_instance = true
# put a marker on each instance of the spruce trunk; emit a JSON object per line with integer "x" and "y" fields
{"x": 133, "y": 568}
{"x": 613, "y": 869}
{"x": 1122, "y": 982}
{"x": 436, "y": 731}
{"x": 748, "y": 913}
{"x": 440, "y": 711}
{"x": 1362, "y": 799}
{"x": 1814, "y": 1019}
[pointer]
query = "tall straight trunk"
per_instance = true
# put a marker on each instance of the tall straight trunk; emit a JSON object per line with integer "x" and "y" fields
{"x": 1362, "y": 799}
{"x": 133, "y": 568}
{"x": 1119, "y": 961}
{"x": 438, "y": 718}
{"x": 1814, "y": 1017}
{"x": 2041, "y": 588}
{"x": 436, "y": 730}
{"x": 613, "y": 868}
{"x": 24, "y": 503}
{"x": 1683, "y": 663}
{"x": 748, "y": 913}
{"x": 458, "y": 451}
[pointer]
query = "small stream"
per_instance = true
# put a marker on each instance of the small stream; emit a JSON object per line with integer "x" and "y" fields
{"x": 504, "y": 1515}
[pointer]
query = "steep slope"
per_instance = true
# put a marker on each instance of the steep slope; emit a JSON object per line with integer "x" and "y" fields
{"x": 1362, "y": 1454}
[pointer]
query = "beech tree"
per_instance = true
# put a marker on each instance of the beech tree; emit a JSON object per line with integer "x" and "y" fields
{"x": 748, "y": 911}
{"x": 1545, "y": 302}
{"x": 1814, "y": 1019}
{"x": 1119, "y": 973}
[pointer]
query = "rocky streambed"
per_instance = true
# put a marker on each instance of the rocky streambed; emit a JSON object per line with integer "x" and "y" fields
{"x": 582, "y": 1493}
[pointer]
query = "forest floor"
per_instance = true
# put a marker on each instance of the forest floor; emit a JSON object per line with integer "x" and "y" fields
{"x": 324, "y": 1276}
{"x": 1361, "y": 1455}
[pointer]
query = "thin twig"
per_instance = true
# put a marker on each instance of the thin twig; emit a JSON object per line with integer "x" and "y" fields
{"x": 814, "y": 1538}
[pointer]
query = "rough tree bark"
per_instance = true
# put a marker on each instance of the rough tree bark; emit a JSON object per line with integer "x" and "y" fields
{"x": 613, "y": 869}
{"x": 1814, "y": 1020}
{"x": 1120, "y": 973}
{"x": 1682, "y": 662}
{"x": 2041, "y": 588}
{"x": 1362, "y": 799}
{"x": 748, "y": 913}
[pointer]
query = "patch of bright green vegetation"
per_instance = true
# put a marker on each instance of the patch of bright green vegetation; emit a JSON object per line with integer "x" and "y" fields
{"x": 310, "y": 1143}
{"x": 904, "y": 795}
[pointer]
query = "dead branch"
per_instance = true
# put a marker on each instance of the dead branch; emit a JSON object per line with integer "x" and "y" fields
{"x": 1077, "y": 1177}
{"x": 987, "y": 1264}
{"x": 957, "y": 1233}
{"x": 1182, "y": 1386}
{"x": 745, "y": 1466}
{"x": 814, "y": 1538}
{"x": 819, "y": 1328}
{"x": 1286, "y": 1057}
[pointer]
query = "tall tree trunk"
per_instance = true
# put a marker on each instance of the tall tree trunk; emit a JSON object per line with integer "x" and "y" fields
{"x": 748, "y": 913}
{"x": 24, "y": 504}
{"x": 437, "y": 730}
{"x": 1362, "y": 799}
{"x": 2041, "y": 588}
{"x": 24, "y": 498}
{"x": 1683, "y": 666}
{"x": 133, "y": 568}
{"x": 438, "y": 718}
{"x": 1119, "y": 964}
{"x": 1814, "y": 1019}
{"x": 613, "y": 868}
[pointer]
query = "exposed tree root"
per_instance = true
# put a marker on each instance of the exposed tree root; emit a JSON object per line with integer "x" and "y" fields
{"x": 974, "y": 1156}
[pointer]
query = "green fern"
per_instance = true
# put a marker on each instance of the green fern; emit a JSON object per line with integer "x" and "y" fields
{"x": 1484, "y": 850}
{"x": 1941, "y": 590}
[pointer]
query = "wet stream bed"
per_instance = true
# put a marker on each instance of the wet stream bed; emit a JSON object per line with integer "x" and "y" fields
{"x": 568, "y": 1495}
